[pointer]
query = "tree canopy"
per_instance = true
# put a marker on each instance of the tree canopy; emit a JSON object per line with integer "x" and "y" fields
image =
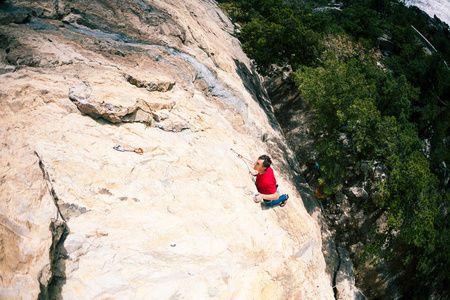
{"x": 386, "y": 103}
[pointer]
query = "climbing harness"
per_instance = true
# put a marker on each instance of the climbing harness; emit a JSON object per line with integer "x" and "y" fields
{"x": 121, "y": 149}
{"x": 242, "y": 157}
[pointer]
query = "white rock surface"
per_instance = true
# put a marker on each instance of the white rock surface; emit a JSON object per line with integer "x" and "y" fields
{"x": 178, "y": 221}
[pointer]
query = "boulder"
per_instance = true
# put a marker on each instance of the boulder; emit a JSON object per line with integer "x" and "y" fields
{"x": 357, "y": 194}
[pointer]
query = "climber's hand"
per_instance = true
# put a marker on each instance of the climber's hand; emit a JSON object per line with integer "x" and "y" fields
{"x": 258, "y": 198}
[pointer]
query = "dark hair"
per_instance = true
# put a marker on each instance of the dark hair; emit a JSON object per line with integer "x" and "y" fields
{"x": 266, "y": 161}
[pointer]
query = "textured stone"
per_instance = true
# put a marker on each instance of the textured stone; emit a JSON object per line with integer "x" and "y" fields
{"x": 345, "y": 278}
{"x": 355, "y": 193}
{"x": 341, "y": 197}
{"x": 177, "y": 221}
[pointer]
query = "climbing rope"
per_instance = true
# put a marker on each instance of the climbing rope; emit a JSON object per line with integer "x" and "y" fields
{"x": 242, "y": 157}
{"x": 121, "y": 149}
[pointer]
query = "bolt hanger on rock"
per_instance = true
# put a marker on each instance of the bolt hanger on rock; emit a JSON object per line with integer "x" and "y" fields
{"x": 122, "y": 149}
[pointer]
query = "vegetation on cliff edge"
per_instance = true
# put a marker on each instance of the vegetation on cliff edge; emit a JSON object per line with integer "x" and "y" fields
{"x": 378, "y": 97}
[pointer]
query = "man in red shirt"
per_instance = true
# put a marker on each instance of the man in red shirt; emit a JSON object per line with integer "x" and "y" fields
{"x": 266, "y": 183}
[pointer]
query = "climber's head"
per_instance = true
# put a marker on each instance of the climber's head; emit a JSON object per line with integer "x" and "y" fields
{"x": 262, "y": 164}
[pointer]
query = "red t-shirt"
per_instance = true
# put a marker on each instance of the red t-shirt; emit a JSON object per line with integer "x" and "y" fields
{"x": 266, "y": 183}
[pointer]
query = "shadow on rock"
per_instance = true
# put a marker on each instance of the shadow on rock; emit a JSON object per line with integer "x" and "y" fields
{"x": 53, "y": 276}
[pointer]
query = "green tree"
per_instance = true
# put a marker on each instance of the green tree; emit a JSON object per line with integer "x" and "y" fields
{"x": 394, "y": 96}
{"x": 349, "y": 127}
{"x": 434, "y": 266}
{"x": 366, "y": 113}
{"x": 361, "y": 22}
{"x": 280, "y": 39}
{"x": 411, "y": 200}
{"x": 244, "y": 11}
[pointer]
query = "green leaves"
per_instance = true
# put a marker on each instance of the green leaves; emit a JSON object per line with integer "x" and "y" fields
{"x": 263, "y": 43}
{"x": 394, "y": 96}
{"x": 413, "y": 199}
{"x": 342, "y": 96}
{"x": 361, "y": 22}
{"x": 280, "y": 39}
{"x": 364, "y": 113}
{"x": 351, "y": 127}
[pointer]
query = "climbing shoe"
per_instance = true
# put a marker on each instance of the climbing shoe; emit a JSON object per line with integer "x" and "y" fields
{"x": 282, "y": 204}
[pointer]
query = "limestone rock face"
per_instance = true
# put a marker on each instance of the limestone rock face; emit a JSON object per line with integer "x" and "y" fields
{"x": 345, "y": 279}
{"x": 81, "y": 220}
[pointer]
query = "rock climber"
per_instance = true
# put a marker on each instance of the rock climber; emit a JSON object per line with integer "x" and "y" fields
{"x": 266, "y": 183}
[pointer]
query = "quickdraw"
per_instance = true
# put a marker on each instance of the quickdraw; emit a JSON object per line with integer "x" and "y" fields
{"x": 121, "y": 149}
{"x": 242, "y": 157}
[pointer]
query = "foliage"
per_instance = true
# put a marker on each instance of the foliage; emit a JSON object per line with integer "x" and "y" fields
{"x": 361, "y": 22}
{"x": 244, "y": 11}
{"x": 280, "y": 39}
{"x": 371, "y": 104}
{"x": 418, "y": 219}
{"x": 349, "y": 126}
{"x": 234, "y": 12}
{"x": 411, "y": 200}
{"x": 363, "y": 114}
{"x": 320, "y": 22}
{"x": 388, "y": 88}
{"x": 430, "y": 111}
{"x": 344, "y": 49}
{"x": 434, "y": 265}
{"x": 434, "y": 30}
